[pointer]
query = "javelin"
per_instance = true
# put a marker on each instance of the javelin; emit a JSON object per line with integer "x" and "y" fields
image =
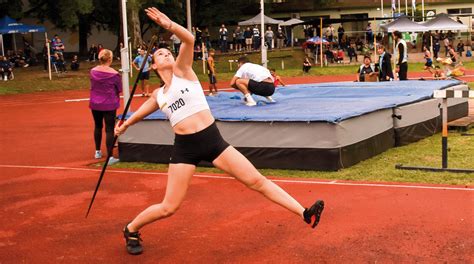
{"x": 122, "y": 119}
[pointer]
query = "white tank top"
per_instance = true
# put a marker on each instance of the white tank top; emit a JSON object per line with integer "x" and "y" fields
{"x": 183, "y": 99}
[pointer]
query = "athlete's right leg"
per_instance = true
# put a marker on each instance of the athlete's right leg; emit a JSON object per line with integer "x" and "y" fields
{"x": 179, "y": 177}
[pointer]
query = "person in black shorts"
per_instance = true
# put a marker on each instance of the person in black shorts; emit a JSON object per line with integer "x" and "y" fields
{"x": 145, "y": 75}
{"x": 211, "y": 72}
{"x": 252, "y": 78}
{"x": 197, "y": 138}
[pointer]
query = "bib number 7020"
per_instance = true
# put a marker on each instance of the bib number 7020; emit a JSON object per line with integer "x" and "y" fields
{"x": 176, "y": 105}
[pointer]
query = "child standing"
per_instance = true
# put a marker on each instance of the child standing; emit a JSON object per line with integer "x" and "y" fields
{"x": 211, "y": 71}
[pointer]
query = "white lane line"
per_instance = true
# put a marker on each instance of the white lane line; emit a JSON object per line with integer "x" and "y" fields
{"x": 335, "y": 182}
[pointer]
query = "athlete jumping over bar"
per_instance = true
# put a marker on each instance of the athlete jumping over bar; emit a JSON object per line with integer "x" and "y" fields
{"x": 196, "y": 138}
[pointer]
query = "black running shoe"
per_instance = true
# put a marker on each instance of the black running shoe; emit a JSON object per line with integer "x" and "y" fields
{"x": 316, "y": 211}
{"x": 132, "y": 241}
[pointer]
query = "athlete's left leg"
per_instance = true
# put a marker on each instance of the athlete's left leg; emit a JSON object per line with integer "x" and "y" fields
{"x": 234, "y": 163}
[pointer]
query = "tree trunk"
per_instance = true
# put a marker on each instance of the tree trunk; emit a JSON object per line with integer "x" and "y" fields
{"x": 136, "y": 28}
{"x": 84, "y": 29}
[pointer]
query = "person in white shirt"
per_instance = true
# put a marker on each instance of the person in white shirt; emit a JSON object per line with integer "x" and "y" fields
{"x": 197, "y": 138}
{"x": 251, "y": 79}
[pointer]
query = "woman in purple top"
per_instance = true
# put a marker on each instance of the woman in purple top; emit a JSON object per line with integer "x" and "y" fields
{"x": 106, "y": 87}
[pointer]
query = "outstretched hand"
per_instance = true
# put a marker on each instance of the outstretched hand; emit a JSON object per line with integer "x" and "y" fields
{"x": 161, "y": 19}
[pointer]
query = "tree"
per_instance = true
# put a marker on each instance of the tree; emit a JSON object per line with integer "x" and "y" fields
{"x": 65, "y": 14}
{"x": 11, "y": 8}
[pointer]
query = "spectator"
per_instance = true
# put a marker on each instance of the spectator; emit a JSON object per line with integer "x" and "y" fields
{"x": 369, "y": 34}
{"x": 446, "y": 45}
{"x": 223, "y": 38}
{"x": 330, "y": 33}
{"x": 248, "y": 39}
{"x": 19, "y": 60}
{"x": 206, "y": 38}
{"x": 57, "y": 44}
{"x": 351, "y": 52}
{"x": 276, "y": 78}
{"x": 238, "y": 38}
{"x": 436, "y": 48}
{"x": 340, "y": 35}
{"x": 58, "y": 61}
{"x": 5, "y": 69}
{"x": 385, "y": 65}
{"x": 401, "y": 56}
{"x": 99, "y": 49}
{"x": 329, "y": 56}
{"x": 75, "y": 63}
{"x": 280, "y": 37}
{"x": 93, "y": 52}
{"x": 453, "y": 55}
{"x": 176, "y": 44}
{"x": 340, "y": 56}
{"x": 106, "y": 86}
{"x": 460, "y": 48}
{"x": 428, "y": 58}
{"x": 145, "y": 75}
{"x": 306, "y": 65}
{"x": 256, "y": 38}
{"x": 366, "y": 71}
{"x": 438, "y": 74}
{"x": 269, "y": 37}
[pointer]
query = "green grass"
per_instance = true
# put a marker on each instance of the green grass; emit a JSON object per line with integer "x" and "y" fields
{"x": 381, "y": 168}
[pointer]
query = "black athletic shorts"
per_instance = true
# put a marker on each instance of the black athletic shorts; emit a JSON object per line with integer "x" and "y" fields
{"x": 261, "y": 88}
{"x": 429, "y": 63}
{"x": 206, "y": 145}
{"x": 212, "y": 78}
{"x": 144, "y": 76}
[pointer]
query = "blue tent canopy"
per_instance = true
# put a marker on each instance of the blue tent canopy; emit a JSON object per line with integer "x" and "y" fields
{"x": 9, "y": 25}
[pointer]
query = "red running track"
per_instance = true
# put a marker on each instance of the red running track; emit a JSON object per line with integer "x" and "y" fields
{"x": 46, "y": 186}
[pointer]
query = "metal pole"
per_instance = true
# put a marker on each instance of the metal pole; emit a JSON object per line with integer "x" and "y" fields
{"x": 262, "y": 40}
{"x": 423, "y": 9}
{"x": 130, "y": 58}
{"x": 413, "y": 11}
{"x": 49, "y": 55}
{"x": 381, "y": 8}
{"x": 203, "y": 46}
{"x": 399, "y": 9}
{"x": 321, "y": 38}
{"x": 188, "y": 14}
{"x": 375, "y": 39}
{"x": 406, "y": 7}
{"x": 1, "y": 39}
{"x": 124, "y": 54}
{"x": 14, "y": 42}
{"x": 444, "y": 138}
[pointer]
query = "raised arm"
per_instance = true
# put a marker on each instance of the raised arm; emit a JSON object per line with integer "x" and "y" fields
{"x": 184, "y": 61}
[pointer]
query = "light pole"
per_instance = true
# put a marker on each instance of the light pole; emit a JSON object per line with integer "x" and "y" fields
{"x": 188, "y": 14}
{"x": 124, "y": 55}
{"x": 262, "y": 39}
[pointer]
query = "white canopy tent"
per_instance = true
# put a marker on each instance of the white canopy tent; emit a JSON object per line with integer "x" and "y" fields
{"x": 291, "y": 23}
{"x": 257, "y": 20}
{"x": 403, "y": 24}
{"x": 444, "y": 22}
